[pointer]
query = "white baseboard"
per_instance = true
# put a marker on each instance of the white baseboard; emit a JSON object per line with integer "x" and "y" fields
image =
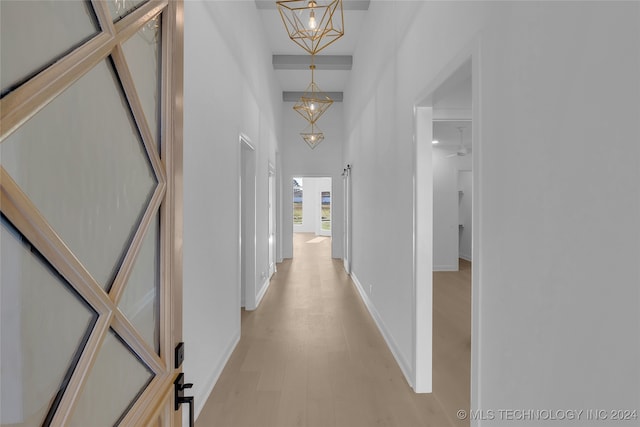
{"x": 272, "y": 270}
{"x": 347, "y": 266}
{"x": 445, "y": 268}
{"x": 465, "y": 257}
{"x": 263, "y": 290}
{"x": 397, "y": 354}
{"x": 208, "y": 385}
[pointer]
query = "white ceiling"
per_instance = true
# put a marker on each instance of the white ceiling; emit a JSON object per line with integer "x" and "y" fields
{"x": 452, "y": 100}
{"x": 280, "y": 44}
{"x": 452, "y": 109}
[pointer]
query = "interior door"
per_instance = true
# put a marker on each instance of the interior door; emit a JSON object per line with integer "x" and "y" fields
{"x": 91, "y": 153}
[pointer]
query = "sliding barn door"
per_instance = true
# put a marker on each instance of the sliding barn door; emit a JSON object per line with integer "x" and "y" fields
{"x": 90, "y": 238}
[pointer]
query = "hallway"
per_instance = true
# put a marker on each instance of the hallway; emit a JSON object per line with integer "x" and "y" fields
{"x": 311, "y": 355}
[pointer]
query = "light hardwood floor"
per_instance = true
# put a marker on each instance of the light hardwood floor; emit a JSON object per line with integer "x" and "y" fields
{"x": 311, "y": 356}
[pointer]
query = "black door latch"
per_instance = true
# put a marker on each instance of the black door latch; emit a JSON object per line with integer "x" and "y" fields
{"x": 179, "y": 398}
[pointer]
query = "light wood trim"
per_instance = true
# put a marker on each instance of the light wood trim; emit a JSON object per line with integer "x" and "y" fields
{"x": 131, "y": 24}
{"x": 138, "y": 344}
{"x": 151, "y": 403}
{"x": 23, "y": 103}
{"x": 166, "y": 310}
{"x": 119, "y": 283}
{"x": 148, "y": 138}
{"x": 103, "y": 14}
{"x": 26, "y": 217}
{"x": 81, "y": 373}
{"x": 172, "y": 105}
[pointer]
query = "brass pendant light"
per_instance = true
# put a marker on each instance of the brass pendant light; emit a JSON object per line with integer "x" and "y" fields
{"x": 312, "y": 136}
{"x": 313, "y": 102}
{"x": 312, "y": 24}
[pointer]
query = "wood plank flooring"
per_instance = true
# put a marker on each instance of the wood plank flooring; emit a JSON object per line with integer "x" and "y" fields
{"x": 311, "y": 356}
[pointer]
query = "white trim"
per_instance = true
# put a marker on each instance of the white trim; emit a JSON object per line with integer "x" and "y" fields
{"x": 422, "y": 308}
{"x": 445, "y": 268}
{"x": 465, "y": 257}
{"x": 263, "y": 290}
{"x": 476, "y": 232}
{"x": 210, "y": 383}
{"x": 405, "y": 367}
{"x": 246, "y": 140}
{"x": 248, "y": 304}
{"x": 272, "y": 269}
{"x": 422, "y": 346}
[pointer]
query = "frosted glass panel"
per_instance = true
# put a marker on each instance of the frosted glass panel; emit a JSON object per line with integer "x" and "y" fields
{"x": 140, "y": 300}
{"x": 82, "y": 163}
{"x": 142, "y": 52}
{"x": 38, "y": 351}
{"x": 116, "y": 380}
{"x": 121, "y": 8}
{"x": 36, "y": 33}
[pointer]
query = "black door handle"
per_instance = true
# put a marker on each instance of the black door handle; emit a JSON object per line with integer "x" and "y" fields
{"x": 179, "y": 398}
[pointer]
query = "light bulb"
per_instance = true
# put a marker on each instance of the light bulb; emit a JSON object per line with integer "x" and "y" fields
{"x": 312, "y": 20}
{"x": 312, "y": 107}
{"x": 313, "y": 137}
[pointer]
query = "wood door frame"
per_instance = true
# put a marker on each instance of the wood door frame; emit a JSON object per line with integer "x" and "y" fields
{"x": 18, "y": 106}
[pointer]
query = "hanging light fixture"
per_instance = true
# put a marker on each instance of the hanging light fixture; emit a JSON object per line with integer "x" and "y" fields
{"x": 313, "y": 102}
{"x": 312, "y": 136}
{"x": 312, "y": 24}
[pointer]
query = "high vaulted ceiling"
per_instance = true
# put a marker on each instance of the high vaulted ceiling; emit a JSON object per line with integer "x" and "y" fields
{"x": 293, "y": 73}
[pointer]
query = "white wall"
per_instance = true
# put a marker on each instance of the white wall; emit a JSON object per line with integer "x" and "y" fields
{"x": 311, "y": 204}
{"x": 298, "y": 160}
{"x": 229, "y": 89}
{"x": 446, "y": 204}
{"x": 558, "y": 184}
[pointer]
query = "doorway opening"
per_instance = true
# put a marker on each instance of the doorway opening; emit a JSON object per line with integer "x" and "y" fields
{"x": 452, "y": 190}
{"x": 446, "y": 105}
{"x": 312, "y": 206}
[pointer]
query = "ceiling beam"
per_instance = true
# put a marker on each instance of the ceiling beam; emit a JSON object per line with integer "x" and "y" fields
{"x": 295, "y": 96}
{"x": 346, "y": 4}
{"x": 302, "y": 62}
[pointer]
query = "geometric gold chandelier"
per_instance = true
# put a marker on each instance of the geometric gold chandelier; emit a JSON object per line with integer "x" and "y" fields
{"x": 313, "y": 102}
{"x": 312, "y": 24}
{"x": 312, "y": 136}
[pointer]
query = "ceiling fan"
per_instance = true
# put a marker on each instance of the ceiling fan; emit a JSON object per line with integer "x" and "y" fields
{"x": 462, "y": 150}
